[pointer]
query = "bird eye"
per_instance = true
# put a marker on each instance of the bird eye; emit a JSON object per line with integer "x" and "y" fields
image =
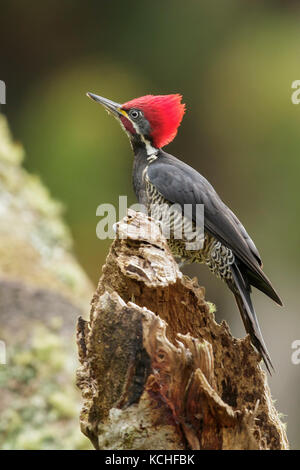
{"x": 134, "y": 113}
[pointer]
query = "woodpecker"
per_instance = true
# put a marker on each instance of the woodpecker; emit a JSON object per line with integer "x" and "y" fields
{"x": 151, "y": 122}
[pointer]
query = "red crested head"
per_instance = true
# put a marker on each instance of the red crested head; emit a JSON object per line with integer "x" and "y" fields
{"x": 164, "y": 114}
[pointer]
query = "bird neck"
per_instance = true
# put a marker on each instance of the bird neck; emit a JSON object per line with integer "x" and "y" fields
{"x": 143, "y": 148}
{"x": 141, "y": 161}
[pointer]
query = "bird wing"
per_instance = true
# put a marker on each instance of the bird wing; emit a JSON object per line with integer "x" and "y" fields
{"x": 179, "y": 183}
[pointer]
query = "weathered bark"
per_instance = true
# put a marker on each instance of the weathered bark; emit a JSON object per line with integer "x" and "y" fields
{"x": 157, "y": 371}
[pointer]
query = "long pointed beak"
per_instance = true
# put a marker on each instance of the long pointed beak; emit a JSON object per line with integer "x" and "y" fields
{"x": 110, "y": 106}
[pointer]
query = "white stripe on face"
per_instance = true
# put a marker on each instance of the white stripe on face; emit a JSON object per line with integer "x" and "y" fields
{"x": 149, "y": 147}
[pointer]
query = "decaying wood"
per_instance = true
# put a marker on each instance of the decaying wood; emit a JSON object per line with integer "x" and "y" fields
{"x": 157, "y": 371}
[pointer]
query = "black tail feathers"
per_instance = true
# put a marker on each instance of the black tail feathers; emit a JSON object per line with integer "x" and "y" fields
{"x": 242, "y": 290}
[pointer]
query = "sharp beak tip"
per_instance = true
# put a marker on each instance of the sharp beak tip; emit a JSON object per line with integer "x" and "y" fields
{"x": 109, "y": 105}
{"x": 91, "y": 95}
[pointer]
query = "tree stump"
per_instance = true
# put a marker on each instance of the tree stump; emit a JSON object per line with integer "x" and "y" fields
{"x": 157, "y": 371}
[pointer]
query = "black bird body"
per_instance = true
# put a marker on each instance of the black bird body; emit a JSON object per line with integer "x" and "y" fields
{"x": 160, "y": 180}
{"x": 228, "y": 250}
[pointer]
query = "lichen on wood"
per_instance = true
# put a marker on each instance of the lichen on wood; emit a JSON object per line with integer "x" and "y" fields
{"x": 157, "y": 371}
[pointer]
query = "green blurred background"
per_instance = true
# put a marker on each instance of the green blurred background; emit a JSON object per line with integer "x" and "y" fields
{"x": 234, "y": 62}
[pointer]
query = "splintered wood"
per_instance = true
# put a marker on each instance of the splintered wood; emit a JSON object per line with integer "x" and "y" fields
{"x": 157, "y": 371}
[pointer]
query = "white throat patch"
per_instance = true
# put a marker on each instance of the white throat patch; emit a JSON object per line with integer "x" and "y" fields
{"x": 151, "y": 151}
